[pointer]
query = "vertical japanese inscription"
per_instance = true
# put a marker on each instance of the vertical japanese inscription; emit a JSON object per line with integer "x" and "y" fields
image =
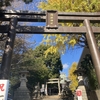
{"x": 52, "y": 19}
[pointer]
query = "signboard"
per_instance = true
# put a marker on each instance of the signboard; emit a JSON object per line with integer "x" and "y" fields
{"x": 4, "y": 86}
{"x": 52, "y": 19}
{"x": 79, "y": 94}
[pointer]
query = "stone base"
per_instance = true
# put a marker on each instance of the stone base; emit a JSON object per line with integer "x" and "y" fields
{"x": 84, "y": 94}
{"x": 22, "y": 93}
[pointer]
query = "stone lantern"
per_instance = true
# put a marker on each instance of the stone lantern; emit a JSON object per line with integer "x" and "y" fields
{"x": 68, "y": 82}
{"x": 22, "y": 93}
{"x": 80, "y": 73}
{"x": 23, "y": 78}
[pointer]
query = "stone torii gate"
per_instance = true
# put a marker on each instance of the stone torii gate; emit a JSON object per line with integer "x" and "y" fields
{"x": 51, "y": 18}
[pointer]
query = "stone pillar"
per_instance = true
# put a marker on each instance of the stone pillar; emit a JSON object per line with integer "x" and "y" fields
{"x": 46, "y": 89}
{"x": 59, "y": 93}
{"x": 22, "y": 93}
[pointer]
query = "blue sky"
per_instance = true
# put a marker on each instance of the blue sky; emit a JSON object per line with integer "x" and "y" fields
{"x": 69, "y": 57}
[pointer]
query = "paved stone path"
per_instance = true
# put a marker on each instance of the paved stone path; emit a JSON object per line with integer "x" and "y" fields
{"x": 54, "y": 97}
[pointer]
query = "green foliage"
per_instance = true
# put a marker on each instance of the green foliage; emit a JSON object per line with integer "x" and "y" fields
{"x": 20, "y": 47}
{"x": 40, "y": 68}
{"x": 52, "y": 61}
{"x": 73, "y": 77}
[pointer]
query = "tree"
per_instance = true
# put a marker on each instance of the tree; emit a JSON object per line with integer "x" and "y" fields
{"x": 38, "y": 72}
{"x": 8, "y": 2}
{"x": 52, "y": 61}
{"x": 21, "y": 45}
{"x": 40, "y": 68}
{"x": 60, "y": 41}
{"x": 71, "y": 5}
{"x": 73, "y": 77}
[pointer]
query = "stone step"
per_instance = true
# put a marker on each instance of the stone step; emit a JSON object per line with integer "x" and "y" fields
{"x": 54, "y": 97}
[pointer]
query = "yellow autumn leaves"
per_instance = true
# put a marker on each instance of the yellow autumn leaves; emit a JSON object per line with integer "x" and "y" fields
{"x": 71, "y": 5}
{"x": 73, "y": 77}
{"x": 53, "y": 5}
{"x": 58, "y": 42}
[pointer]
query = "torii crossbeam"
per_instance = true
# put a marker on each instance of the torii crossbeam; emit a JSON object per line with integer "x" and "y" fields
{"x": 52, "y": 18}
